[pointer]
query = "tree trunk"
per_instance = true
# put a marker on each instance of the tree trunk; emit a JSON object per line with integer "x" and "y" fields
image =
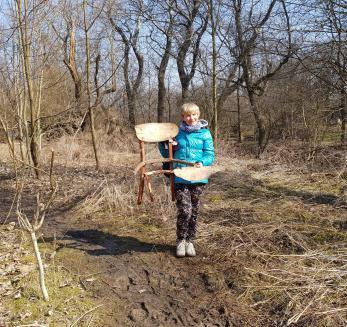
{"x": 131, "y": 86}
{"x": 185, "y": 93}
{"x": 162, "y": 70}
{"x": 90, "y": 107}
{"x": 92, "y": 131}
{"x": 214, "y": 75}
{"x": 239, "y": 139}
{"x": 343, "y": 118}
{"x": 161, "y": 80}
{"x": 35, "y": 127}
{"x": 261, "y": 132}
{"x": 70, "y": 63}
{"x": 161, "y": 98}
{"x": 131, "y": 107}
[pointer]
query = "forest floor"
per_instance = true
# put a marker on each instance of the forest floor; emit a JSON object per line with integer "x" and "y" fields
{"x": 271, "y": 248}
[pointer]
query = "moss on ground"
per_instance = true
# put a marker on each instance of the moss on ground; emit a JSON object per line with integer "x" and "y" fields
{"x": 325, "y": 236}
{"x": 68, "y": 300}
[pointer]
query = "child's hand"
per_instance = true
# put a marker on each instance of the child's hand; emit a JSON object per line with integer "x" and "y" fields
{"x": 171, "y": 140}
{"x": 198, "y": 165}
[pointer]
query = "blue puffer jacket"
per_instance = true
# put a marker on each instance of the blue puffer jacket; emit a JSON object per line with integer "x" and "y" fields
{"x": 195, "y": 146}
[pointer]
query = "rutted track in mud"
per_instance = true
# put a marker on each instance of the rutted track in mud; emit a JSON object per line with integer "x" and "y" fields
{"x": 147, "y": 285}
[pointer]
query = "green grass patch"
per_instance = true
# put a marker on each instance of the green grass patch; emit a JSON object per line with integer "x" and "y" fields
{"x": 332, "y": 137}
{"x": 215, "y": 198}
{"x": 67, "y": 299}
{"x": 325, "y": 236}
{"x": 316, "y": 185}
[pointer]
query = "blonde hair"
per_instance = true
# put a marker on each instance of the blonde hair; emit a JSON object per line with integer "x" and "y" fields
{"x": 190, "y": 108}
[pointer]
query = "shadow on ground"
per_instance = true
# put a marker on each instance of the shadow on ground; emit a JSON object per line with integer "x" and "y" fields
{"x": 243, "y": 185}
{"x": 96, "y": 242}
{"x": 309, "y": 197}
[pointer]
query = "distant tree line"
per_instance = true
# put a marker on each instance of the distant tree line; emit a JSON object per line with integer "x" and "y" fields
{"x": 265, "y": 69}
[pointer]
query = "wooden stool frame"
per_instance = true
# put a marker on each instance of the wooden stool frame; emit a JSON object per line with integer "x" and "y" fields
{"x": 147, "y": 133}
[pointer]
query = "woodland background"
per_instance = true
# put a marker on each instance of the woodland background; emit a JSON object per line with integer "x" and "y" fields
{"x": 261, "y": 71}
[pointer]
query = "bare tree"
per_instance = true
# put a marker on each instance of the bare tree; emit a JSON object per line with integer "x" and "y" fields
{"x": 33, "y": 92}
{"x": 191, "y": 25}
{"x": 85, "y": 95}
{"x": 161, "y": 19}
{"x": 229, "y": 71}
{"x": 220, "y": 63}
{"x": 214, "y": 16}
{"x": 330, "y": 55}
{"x": 129, "y": 31}
{"x": 13, "y": 99}
{"x": 249, "y": 34}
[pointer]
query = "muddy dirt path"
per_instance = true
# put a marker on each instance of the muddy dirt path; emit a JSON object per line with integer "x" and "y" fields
{"x": 141, "y": 282}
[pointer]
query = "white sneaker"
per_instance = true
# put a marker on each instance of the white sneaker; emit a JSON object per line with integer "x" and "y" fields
{"x": 181, "y": 249}
{"x": 190, "y": 250}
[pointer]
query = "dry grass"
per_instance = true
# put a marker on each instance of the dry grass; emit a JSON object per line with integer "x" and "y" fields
{"x": 78, "y": 151}
{"x": 121, "y": 200}
{"x": 274, "y": 232}
{"x": 279, "y": 272}
{"x": 109, "y": 197}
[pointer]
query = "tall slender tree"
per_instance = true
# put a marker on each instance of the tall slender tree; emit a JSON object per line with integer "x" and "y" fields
{"x": 161, "y": 18}
{"x": 191, "y": 25}
{"x": 128, "y": 28}
{"x": 32, "y": 79}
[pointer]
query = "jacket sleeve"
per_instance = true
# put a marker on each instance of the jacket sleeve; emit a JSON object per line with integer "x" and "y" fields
{"x": 208, "y": 150}
{"x": 164, "y": 149}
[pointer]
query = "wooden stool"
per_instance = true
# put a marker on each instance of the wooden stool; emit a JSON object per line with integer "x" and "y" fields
{"x": 154, "y": 133}
{"x": 160, "y": 132}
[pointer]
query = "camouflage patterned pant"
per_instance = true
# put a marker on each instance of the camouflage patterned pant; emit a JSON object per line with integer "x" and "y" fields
{"x": 188, "y": 204}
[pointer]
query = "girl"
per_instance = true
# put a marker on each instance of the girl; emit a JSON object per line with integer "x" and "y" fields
{"x": 194, "y": 144}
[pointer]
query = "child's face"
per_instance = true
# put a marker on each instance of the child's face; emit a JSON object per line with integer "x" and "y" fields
{"x": 191, "y": 118}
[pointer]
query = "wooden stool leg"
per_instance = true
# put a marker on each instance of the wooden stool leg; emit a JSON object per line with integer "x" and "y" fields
{"x": 149, "y": 186}
{"x": 141, "y": 188}
{"x": 172, "y": 177}
{"x": 172, "y": 187}
{"x": 142, "y": 172}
